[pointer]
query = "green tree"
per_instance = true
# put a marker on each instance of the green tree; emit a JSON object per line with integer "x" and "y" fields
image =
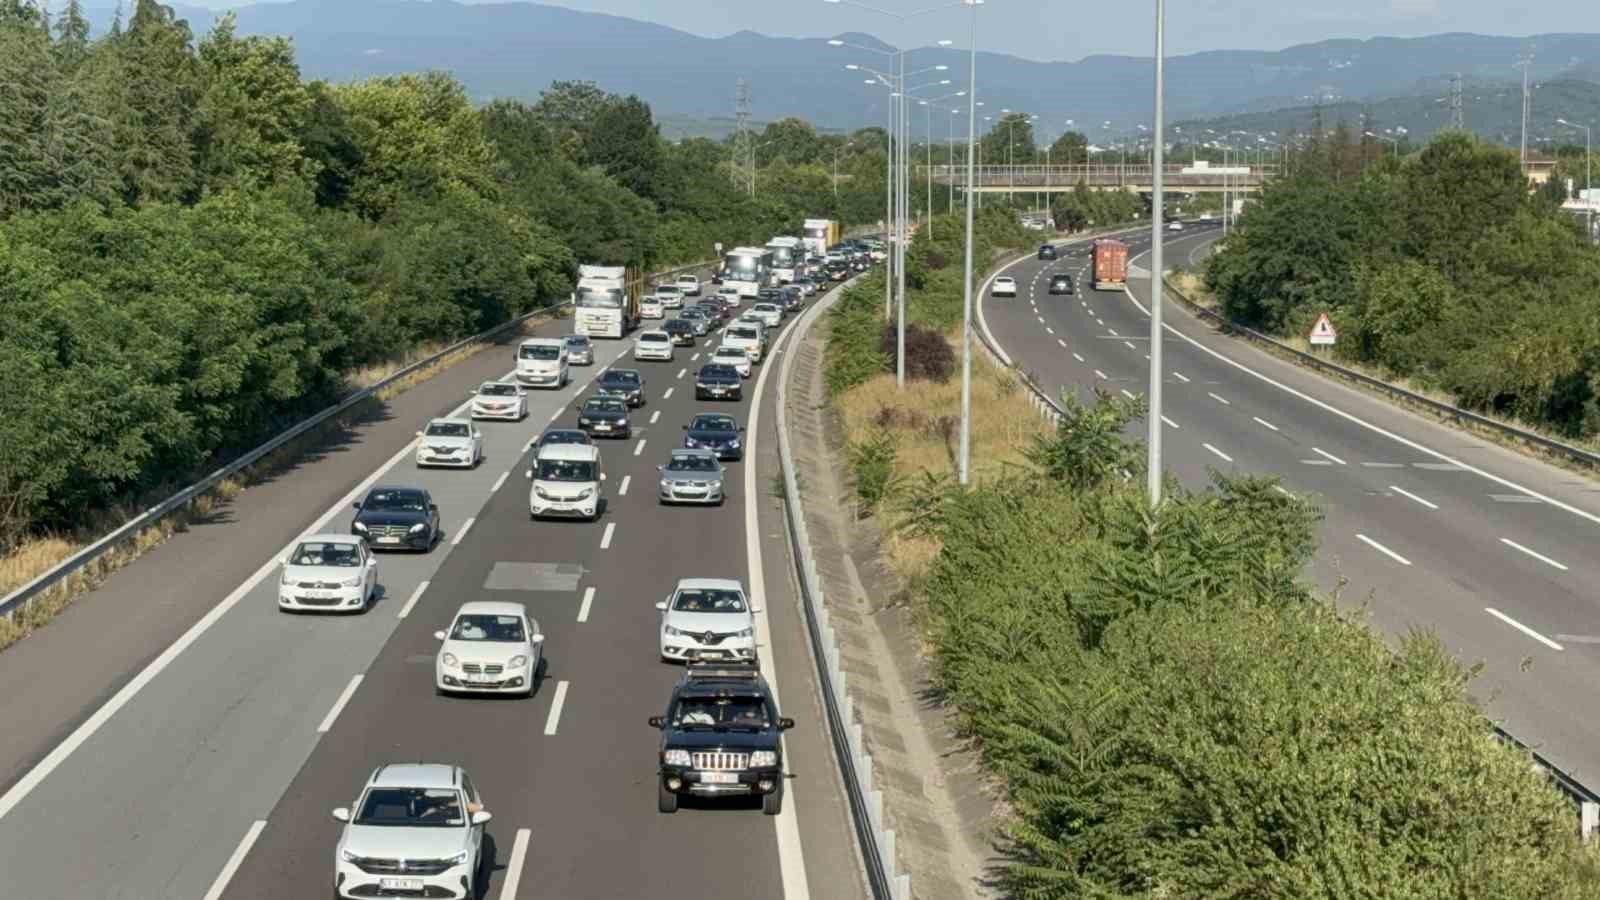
{"x": 146, "y": 85}
{"x": 1456, "y": 185}
{"x": 571, "y": 108}
{"x": 792, "y": 140}
{"x": 1071, "y": 148}
{"x": 251, "y": 112}
{"x": 72, "y": 37}
{"x": 626, "y": 144}
{"x": 331, "y": 146}
{"x": 1010, "y": 141}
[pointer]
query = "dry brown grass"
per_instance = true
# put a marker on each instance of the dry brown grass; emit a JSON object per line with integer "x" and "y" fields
{"x": 925, "y": 419}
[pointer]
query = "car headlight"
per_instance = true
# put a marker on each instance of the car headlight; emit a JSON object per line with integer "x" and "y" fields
{"x": 714, "y": 485}
{"x": 586, "y": 493}
{"x": 357, "y": 526}
{"x": 419, "y": 528}
{"x": 733, "y": 443}
{"x": 518, "y": 661}
{"x": 450, "y": 661}
{"x": 540, "y": 493}
{"x": 745, "y": 632}
{"x": 673, "y": 632}
{"x": 690, "y": 442}
{"x": 284, "y": 578}
{"x": 459, "y": 858}
{"x": 585, "y": 422}
{"x": 676, "y": 758}
{"x": 351, "y": 582}
{"x": 347, "y": 856}
{"x": 762, "y": 758}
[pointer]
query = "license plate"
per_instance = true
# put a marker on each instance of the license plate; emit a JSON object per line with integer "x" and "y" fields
{"x": 400, "y": 884}
{"x": 320, "y": 595}
{"x": 602, "y": 428}
{"x": 719, "y": 777}
{"x": 481, "y": 679}
{"x": 389, "y": 539}
{"x": 718, "y": 392}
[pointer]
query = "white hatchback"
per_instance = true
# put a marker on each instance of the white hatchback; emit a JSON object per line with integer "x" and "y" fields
{"x": 652, "y": 308}
{"x": 770, "y": 314}
{"x": 653, "y": 344}
{"x": 708, "y": 618}
{"x": 1005, "y": 286}
{"x": 416, "y": 830}
{"x": 669, "y": 295}
{"x": 328, "y": 573}
{"x": 491, "y": 647}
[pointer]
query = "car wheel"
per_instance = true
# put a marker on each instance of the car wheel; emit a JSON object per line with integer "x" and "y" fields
{"x": 772, "y": 803}
{"x": 666, "y": 801}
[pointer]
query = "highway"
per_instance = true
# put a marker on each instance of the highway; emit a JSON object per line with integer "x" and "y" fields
{"x": 1430, "y": 527}
{"x": 211, "y": 767}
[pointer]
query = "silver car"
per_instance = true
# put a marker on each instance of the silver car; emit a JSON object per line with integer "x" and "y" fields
{"x": 692, "y": 476}
{"x": 580, "y": 352}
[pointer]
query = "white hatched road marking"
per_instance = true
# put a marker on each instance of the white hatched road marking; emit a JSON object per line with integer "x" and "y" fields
{"x": 1384, "y": 550}
{"x": 555, "y": 709}
{"x": 1522, "y": 628}
{"x": 1536, "y": 555}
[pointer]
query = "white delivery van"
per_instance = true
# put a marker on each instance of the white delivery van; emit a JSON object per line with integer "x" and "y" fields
{"x": 542, "y": 362}
{"x": 751, "y": 337}
{"x": 566, "y": 482}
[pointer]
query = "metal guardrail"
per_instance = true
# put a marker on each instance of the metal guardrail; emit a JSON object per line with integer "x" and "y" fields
{"x": 20, "y": 597}
{"x": 877, "y": 842}
{"x": 1448, "y": 410}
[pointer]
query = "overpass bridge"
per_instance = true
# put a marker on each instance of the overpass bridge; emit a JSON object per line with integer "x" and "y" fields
{"x": 1182, "y": 177}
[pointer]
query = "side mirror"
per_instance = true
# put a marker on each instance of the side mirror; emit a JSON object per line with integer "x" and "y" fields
{"x": 658, "y": 721}
{"x": 602, "y": 476}
{"x": 419, "y": 434}
{"x": 685, "y": 428}
{"x": 755, "y": 609}
{"x": 481, "y": 816}
{"x": 433, "y": 507}
{"x": 536, "y": 639}
{"x": 342, "y": 814}
{"x": 372, "y": 561}
{"x": 356, "y": 505}
{"x": 785, "y": 723}
{"x": 283, "y": 560}
{"x": 661, "y": 468}
{"x": 438, "y": 635}
{"x": 661, "y": 605}
{"x": 529, "y": 474}
{"x": 741, "y": 427}
{"x": 722, "y": 470}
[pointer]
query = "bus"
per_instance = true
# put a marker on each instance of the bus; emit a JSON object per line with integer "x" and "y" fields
{"x": 747, "y": 268}
{"x": 788, "y": 258}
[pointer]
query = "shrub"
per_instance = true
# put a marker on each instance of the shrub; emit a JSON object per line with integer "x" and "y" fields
{"x": 872, "y": 460}
{"x": 929, "y": 356}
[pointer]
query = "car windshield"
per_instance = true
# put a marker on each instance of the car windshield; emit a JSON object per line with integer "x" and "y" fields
{"x": 1004, "y": 281}
{"x": 692, "y": 463}
{"x": 651, "y": 337}
{"x": 496, "y": 389}
{"x": 577, "y": 342}
{"x": 667, "y": 289}
{"x": 709, "y": 600}
{"x": 651, "y": 301}
{"x": 566, "y": 470}
{"x": 734, "y": 353}
{"x": 721, "y": 712}
{"x": 745, "y": 332}
{"x": 606, "y": 406}
{"x": 713, "y": 423}
{"x": 718, "y": 371}
{"x": 318, "y": 553}
{"x": 539, "y": 351}
{"x": 593, "y": 298}
{"x": 412, "y": 808}
{"x": 564, "y": 436}
{"x": 488, "y": 628}
{"x": 622, "y": 377}
{"x": 448, "y": 429}
{"x": 688, "y": 279}
{"x": 395, "y": 501}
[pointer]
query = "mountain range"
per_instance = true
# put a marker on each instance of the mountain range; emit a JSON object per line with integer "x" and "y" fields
{"x": 517, "y": 49}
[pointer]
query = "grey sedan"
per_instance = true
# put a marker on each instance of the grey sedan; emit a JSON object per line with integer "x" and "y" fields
{"x": 692, "y": 476}
{"x": 580, "y": 352}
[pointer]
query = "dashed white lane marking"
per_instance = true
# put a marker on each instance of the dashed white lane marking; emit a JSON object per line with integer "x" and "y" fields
{"x": 1060, "y": 341}
{"x": 1052, "y": 331}
{"x": 694, "y": 357}
{"x": 1170, "y": 424}
{"x": 1382, "y": 549}
{"x": 623, "y": 490}
{"x": 1383, "y": 465}
{"x": 1181, "y": 377}
{"x": 1536, "y": 555}
{"x": 667, "y": 395}
{"x": 220, "y": 886}
{"x": 1127, "y": 393}
{"x": 519, "y": 853}
{"x": 1113, "y": 332}
{"x": 1264, "y": 423}
{"x": 1078, "y": 357}
{"x": 500, "y": 482}
{"x": 412, "y": 600}
{"x": 455, "y": 539}
{"x": 639, "y": 447}
{"x": 605, "y": 539}
{"x": 1326, "y": 455}
{"x": 655, "y": 417}
{"x": 555, "y": 708}
{"x": 1410, "y": 496}
{"x": 1221, "y": 400}
{"x": 338, "y": 705}
{"x": 588, "y": 600}
{"x": 1100, "y": 322}
{"x": 1522, "y": 628}
{"x": 1129, "y": 345}
{"x": 1225, "y": 457}
{"x": 1101, "y": 375}
{"x": 1040, "y": 318}
{"x": 681, "y": 372}
{"x": 1315, "y": 462}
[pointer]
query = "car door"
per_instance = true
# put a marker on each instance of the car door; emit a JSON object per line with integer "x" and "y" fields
{"x": 474, "y": 801}
{"x": 477, "y": 441}
{"x": 369, "y": 567}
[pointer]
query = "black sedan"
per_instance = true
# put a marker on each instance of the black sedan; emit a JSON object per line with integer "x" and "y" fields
{"x": 716, "y": 432}
{"x": 605, "y": 417}
{"x": 718, "y": 380}
{"x": 558, "y": 436}
{"x": 1061, "y": 284}
{"x": 397, "y": 518}
{"x": 1047, "y": 251}
{"x": 681, "y": 332}
{"x": 624, "y": 384}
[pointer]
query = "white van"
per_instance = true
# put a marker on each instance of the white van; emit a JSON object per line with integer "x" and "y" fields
{"x": 542, "y": 362}
{"x": 566, "y": 481}
{"x": 748, "y": 336}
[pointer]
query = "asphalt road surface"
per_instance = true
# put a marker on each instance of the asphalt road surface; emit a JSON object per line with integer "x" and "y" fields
{"x": 1432, "y": 527}
{"x": 210, "y": 769}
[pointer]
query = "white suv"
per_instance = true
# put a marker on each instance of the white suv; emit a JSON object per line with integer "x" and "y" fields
{"x": 416, "y": 830}
{"x": 1005, "y": 286}
{"x": 708, "y": 618}
{"x": 689, "y": 285}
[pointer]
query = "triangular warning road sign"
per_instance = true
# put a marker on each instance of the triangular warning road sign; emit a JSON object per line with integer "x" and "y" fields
{"x": 1322, "y": 332}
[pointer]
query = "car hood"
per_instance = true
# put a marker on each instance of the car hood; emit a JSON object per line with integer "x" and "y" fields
{"x": 701, "y": 622}
{"x": 603, "y": 415}
{"x": 439, "y": 440}
{"x": 741, "y": 741}
{"x": 495, "y": 400}
{"x": 618, "y": 388}
{"x": 397, "y": 842}
{"x": 391, "y": 517}
{"x": 326, "y": 574}
{"x": 694, "y": 477}
{"x": 565, "y": 490}
{"x": 486, "y": 651}
{"x": 717, "y": 437}
{"x": 717, "y": 378}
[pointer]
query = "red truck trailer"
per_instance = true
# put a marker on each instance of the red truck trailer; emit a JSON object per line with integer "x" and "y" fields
{"x": 1110, "y": 264}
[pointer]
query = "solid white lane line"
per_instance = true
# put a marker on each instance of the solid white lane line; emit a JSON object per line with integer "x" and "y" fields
{"x": 456, "y": 538}
{"x": 1170, "y": 424}
{"x": 1078, "y": 357}
{"x": 1522, "y": 628}
{"x": 220, "y": 886}
{"x": 1101, "y": 375}
{"x": 1384, "y": 550}
{"x": 1181, "y": 377}
{"x": 1264, "y": 423}
{"x": 681, "y": 372}
{"x": 588, "y": 600}
{"x": 1539, "y": 556}
{"x": 639, "y": 447}
{"x": 1225, "y": 457}
{"x": 605, "y": 539}
{"x": 555, "y": 708}
{"x": 500, "y": 482}
{"x": 667, "y": 395}
{"x": 1326, "y": 455}
{"x": 412, "y": 600}
{"x": 1127, "y": 393}
{"x": 1221, "y": 400}
{"x": 1410, "y": 496}
{"x": 338, "y": 705}
{"x": 519, "y": 853}
{"x": 655, "y": 417}
{"x": 623, "y": 490}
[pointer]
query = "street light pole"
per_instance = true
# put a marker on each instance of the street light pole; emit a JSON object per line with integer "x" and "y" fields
{"x": 900, "y": 253}
{"x": 964, "y": 456}
{"x": 1156, "y": 285}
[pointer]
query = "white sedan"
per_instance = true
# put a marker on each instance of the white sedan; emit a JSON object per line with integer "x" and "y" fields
{"x": 1175, "y": 226}
{"x": 1005, "y": 286}
{"x": 770, "y": 314}
{"x": 689, "y": 285}
{"x": 328, "y": 573}
{"x": 669, "y": 295}
{"x": 499, "y": 400}
{"x": 450, "y": 442}
{"x": 492, "y": 647}
{"x": 737, "y": 357}
{"x": 653, "y": 344}
{"x": 652, "y": 308}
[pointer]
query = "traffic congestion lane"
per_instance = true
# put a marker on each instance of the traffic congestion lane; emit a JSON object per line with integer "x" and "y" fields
{"x": 585, "y": 792}
{"x": 145, "y": 800}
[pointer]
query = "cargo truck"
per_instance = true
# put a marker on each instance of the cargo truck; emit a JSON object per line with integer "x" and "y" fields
{"x": 820, "y": 235}
{"x": 606, "y": 303}
{"x": 788, "y": 258}
{"x": 1110, "y": 264}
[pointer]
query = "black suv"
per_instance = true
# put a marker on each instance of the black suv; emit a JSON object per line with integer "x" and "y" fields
{"x": 1061, "y": 284}
{"x": 718, "y": 380}
{"x": 721, "y": 736}
{"x": 1047, "y": 251}
{"x": 681, "y": 332}
{"x": 397, "y": 517}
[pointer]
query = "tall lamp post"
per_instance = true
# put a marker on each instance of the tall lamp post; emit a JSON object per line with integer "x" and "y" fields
{"x": 836, "y": 150}
{"x": 1158, "y": 201}
{"x": 1588, "y": 183}
{"x": 964, "y": 455}
{"x": 928, "y": 105}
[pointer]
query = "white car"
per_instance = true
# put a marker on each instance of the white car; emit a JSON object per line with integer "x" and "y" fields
{"x": 669, "y": 295}
{"x": 1205, "y": 217}
{"x": 770, "y": 314}
{"x": 491, "y": 647}
{"x": 566, "y": 482}
{"x": 450, "y": 442}
{"x": 689, "y": 285}
{"x": 499, "y": 400}
{"x": 1175, "y": 226}
{"x": 1004, "y": 286}
{"x": 708, "y": 618}
{"x": 729, "y": 296}
{"x": 653, "y": 344}
{"x": 749, "y": 336}
{"x": 652, "y": 308}
{"x": 416, "y": 830}
{"x": 328, "y": 572}
{"x": 738, "y": 357}
{"x": 543, "y": 361}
